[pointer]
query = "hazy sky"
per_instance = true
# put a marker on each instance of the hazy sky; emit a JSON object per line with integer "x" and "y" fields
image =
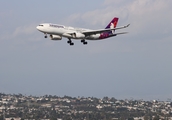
{"x": 136, "y": 65}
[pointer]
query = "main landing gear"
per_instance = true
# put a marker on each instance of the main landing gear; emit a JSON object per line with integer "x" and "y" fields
{"x": 70, "y": 42}
{"x": 84, "y": 42}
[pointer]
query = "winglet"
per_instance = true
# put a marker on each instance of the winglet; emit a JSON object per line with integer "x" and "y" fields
{"x": 127, "y": 26}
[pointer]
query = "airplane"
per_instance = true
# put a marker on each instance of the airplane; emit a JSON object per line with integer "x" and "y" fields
{"x": 56, "y": 32}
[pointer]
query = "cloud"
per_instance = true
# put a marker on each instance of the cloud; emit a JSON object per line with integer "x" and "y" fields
{"x": 143, "y": 15}
{"x": 109, "y": 2}
{"x": 27, "y": 31}
{"x": 149, "y": 19}
{"x": 24, "y": 30}
{"x": 149, "y": 16}
{"x": 22, "y": 37}
{"x": 115, "y": 3}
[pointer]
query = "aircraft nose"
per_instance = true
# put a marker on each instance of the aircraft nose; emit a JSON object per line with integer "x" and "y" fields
{"x": 40, "y": 27}
{"x": 37, "y": 27}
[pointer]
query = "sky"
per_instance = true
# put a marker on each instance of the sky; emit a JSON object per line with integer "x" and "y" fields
{"x": 137, "y": 65}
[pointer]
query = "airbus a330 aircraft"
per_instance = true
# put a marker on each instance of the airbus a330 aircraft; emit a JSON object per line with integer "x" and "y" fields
{"x": 56, "y": 32}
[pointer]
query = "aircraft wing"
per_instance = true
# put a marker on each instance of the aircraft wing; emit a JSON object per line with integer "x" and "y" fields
{"x": 91, "y": 32}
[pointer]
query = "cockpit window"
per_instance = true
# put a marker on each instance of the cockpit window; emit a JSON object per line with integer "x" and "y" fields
{"x": 41, "y": 25}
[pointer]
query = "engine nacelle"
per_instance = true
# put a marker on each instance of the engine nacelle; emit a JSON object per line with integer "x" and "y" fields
{"x": 55, "y": 37}
{"x": 78, "y": 35}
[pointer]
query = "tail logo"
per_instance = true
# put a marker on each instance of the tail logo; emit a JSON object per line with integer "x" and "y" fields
{"x": 113, "y": 23}
{"x": 112, "y": 26}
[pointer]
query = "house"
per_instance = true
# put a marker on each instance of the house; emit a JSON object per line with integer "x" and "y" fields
{"x": 12, "y": 118}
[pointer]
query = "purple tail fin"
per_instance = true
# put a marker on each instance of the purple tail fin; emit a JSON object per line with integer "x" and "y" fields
{"x": 113, "y": 23}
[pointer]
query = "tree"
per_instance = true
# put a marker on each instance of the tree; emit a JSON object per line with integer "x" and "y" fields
{"x": 146, "y": 117}
{"x": 156, "y": 118}
{"x": 131, "y": 118}
{"x": 1, "y": 117}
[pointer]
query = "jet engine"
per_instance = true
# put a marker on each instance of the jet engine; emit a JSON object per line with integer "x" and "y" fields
{"x": 55, "y": 37}
{"x": 78, "y": 35}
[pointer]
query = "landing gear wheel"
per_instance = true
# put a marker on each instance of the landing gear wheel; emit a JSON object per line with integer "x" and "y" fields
{"x": 71, "y": 43}
{"x": 82, "y": 41}
{"x": 85, "y": 43}
{"x": 45, "y": 35}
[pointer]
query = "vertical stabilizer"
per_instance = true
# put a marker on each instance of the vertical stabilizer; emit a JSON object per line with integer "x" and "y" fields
{"x": 113, "y": 23}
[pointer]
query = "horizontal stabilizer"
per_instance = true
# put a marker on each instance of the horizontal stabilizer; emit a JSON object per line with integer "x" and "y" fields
{"x": 121, "y": 33}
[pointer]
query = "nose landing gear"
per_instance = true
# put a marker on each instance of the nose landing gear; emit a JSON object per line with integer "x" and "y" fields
{"x": 45, "y": 35}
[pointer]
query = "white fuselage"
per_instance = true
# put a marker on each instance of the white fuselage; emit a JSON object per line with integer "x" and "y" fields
{"x": 68, "y": 32}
